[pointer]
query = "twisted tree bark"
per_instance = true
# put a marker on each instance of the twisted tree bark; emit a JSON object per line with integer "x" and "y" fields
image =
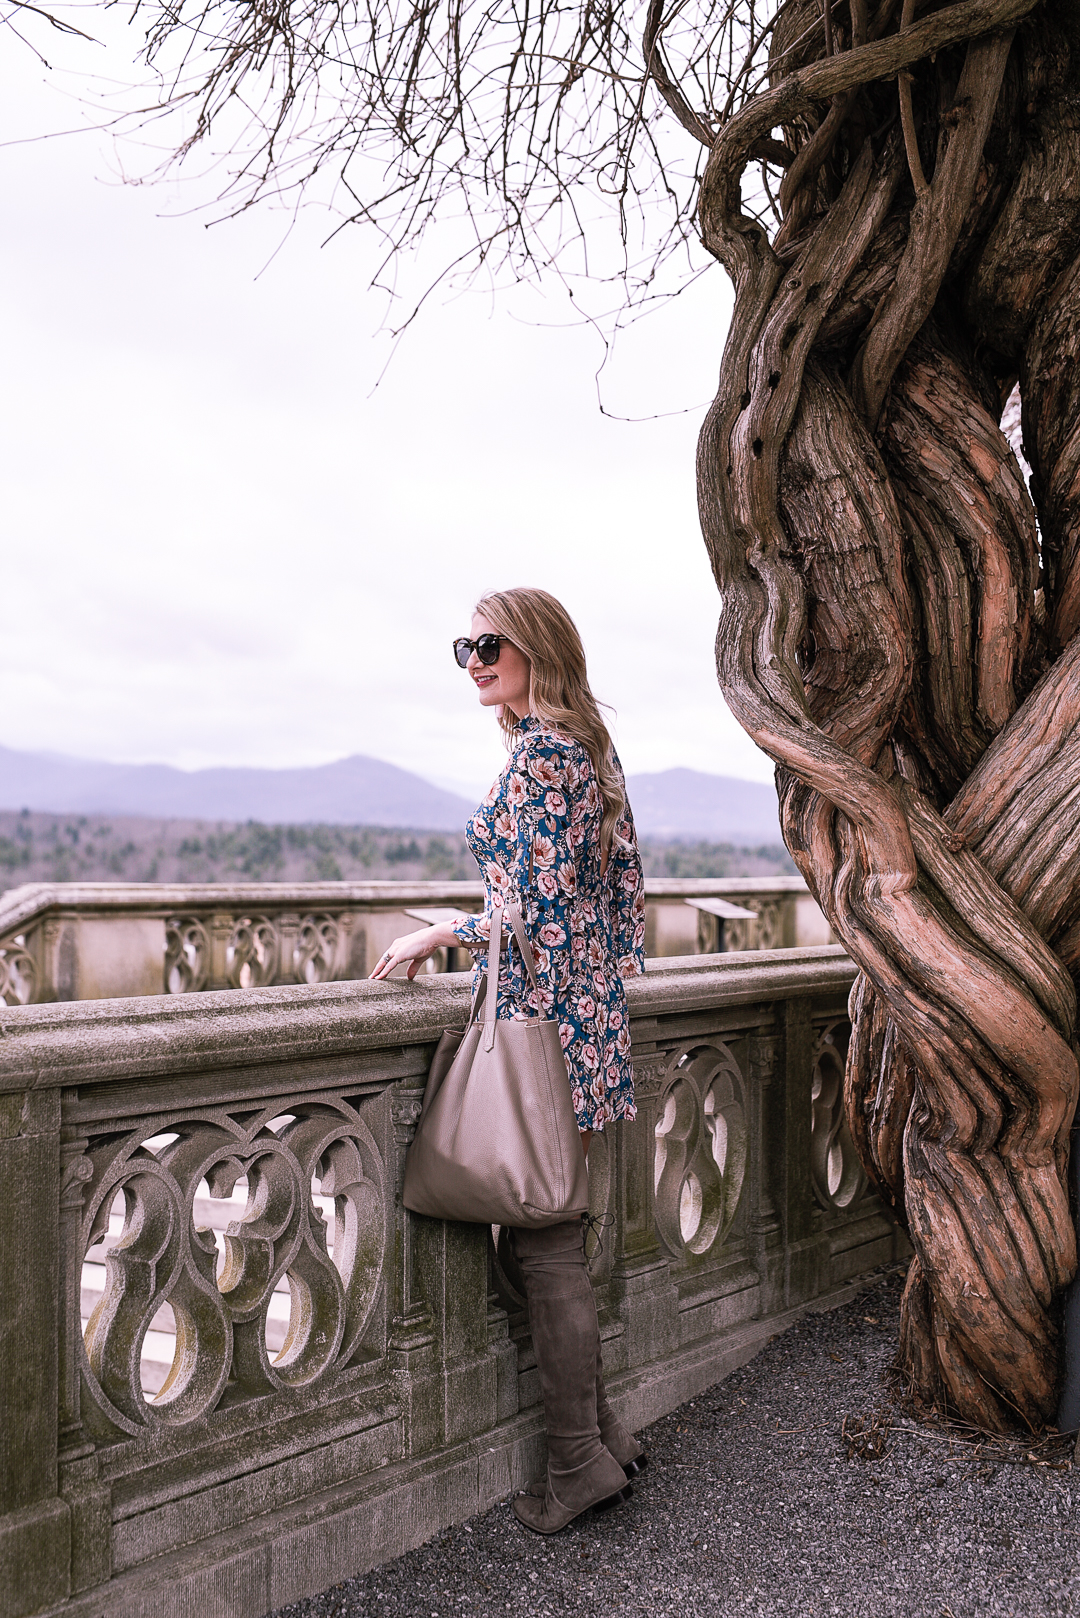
{"x": 900, "y": 619}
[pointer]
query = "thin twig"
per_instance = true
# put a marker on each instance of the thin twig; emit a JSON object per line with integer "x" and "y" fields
{"x": 907, "y": 114}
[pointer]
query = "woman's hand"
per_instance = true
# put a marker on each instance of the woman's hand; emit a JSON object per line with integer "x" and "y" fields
{"x": 414, "y": 948}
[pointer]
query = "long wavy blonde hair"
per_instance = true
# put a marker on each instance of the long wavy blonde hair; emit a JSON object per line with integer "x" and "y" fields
{"x": 541, "y": 627}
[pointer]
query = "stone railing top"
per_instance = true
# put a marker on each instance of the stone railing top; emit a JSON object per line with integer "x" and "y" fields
{"x": 89, "y": 1042}
{"x": 692, "y": 887}
{"x": 19, "y": 906}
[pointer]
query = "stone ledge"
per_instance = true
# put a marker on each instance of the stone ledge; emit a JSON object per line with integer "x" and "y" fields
{"x": 91, "y": 1041}
{"x": 33, "y": 900}
{"x": 679, "y": 887}
{"x": 36, "y": 899}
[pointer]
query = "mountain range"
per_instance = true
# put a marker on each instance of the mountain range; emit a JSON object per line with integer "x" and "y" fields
{"x": 360, "y": 791}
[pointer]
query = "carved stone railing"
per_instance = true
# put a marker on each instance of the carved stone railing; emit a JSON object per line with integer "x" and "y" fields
{"x": 699, "y": 916}
{"x": 233, "y": 1370}
{"x": 88, "y": 941}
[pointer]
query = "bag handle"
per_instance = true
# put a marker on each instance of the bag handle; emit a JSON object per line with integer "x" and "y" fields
{"x": 521, "y": 938}
{"x": 491, "y": 990}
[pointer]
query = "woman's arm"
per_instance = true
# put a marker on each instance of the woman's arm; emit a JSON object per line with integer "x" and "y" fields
{"x": 541, "y": 875}
{"x": 532, "y": 863}
{"x": 414, "y": 948}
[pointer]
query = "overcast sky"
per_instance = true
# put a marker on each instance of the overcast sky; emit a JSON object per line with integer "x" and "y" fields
{"x": 224, "y": 544}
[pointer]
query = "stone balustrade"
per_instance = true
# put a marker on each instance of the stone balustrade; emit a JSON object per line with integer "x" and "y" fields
{"x": 234, "y": 1370}
{"x": 704, "y": 915}
{"x": 89, "y": 941}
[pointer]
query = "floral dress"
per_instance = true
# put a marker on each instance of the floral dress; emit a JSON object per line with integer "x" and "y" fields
{"x": 536, "y": 839}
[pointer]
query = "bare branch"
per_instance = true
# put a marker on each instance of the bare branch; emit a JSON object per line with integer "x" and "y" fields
{"x": 935, "y": 224}
{"x": 658, "y": 72}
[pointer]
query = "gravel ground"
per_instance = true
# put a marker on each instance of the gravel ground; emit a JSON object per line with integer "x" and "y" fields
{"x": 758, "y": 1502}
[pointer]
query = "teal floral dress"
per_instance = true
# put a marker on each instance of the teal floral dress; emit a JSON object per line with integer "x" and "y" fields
{"x": 536, "y": 839}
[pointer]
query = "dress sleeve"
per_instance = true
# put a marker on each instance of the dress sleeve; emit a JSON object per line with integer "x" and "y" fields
{"x": 473, "y": 932}
{"x": 535, "y": 870}
{"x": 626, "y": 896}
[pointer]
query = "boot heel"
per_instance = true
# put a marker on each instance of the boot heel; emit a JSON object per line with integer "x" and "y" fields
{"x": 615, "y": 1499}
{"x": 638, "y": 1464}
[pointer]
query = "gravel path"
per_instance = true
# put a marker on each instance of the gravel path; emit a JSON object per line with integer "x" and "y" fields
{"x": 754, "y": 1505}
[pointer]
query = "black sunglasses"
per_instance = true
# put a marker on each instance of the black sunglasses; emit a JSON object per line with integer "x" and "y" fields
{"x": 487, "y": 649}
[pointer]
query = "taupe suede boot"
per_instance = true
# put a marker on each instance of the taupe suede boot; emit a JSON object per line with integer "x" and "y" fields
{"x": 562, "y": 1314}
{"x": 613, "y": 1435}
{"x": 616, "y": 1439}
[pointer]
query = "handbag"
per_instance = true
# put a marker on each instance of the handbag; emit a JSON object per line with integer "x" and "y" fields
{"x": 497, "y": 1142}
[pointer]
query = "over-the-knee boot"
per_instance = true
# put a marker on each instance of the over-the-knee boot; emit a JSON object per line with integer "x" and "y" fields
{"x": 616, "y": 1439}
{"x": 562, "y": 1315}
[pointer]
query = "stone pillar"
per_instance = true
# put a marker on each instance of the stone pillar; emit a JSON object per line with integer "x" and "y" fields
{"x": 441, "y": 1331}
{"x": 356, "y": 965}
{"x": 504, "y": 1352}
{"x": 764, "y": 1230}
{"x": 35, "y": 1530}
{"x": 219, "y": 930}
{"x": 288, "y": 930}
{"x": 44, "y": 943}
{"x": 88, "y": 1499}
{"x": 787, "y": 1153}
{"x": 452, "y": 1262}
{"x": 642, "y": 1290}
{"x": 411, "y": 1345}
{"x": 343, "y": 955}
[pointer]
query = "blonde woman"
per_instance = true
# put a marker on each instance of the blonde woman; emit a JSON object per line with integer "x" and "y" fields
{"x": 555, "y": 837}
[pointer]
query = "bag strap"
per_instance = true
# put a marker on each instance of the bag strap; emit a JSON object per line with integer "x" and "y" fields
{"x": 479, "y": 995}
{"x": 521, "y": 938}
{"x": 491, "y": 988}
{"x": 491, "y": 996}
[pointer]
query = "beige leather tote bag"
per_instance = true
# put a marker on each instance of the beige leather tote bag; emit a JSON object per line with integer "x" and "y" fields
{"x": 497, "y": 1142}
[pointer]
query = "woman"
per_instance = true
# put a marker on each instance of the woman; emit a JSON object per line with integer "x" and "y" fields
{"x": 555, "y": 837}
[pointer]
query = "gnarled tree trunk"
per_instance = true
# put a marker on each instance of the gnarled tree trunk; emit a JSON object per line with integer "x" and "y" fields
{"x": 900, "y": 619}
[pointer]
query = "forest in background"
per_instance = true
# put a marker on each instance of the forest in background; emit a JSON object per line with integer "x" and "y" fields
{"x": 38, "y": 847}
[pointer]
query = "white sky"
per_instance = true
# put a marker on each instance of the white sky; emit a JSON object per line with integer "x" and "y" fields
{"x": 222, "y": 546}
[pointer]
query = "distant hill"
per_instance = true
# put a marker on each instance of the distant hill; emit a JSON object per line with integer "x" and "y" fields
{"x": 359, "y": 791}
{"x": 354, "y": 791}
{"x": 689, "y": 804}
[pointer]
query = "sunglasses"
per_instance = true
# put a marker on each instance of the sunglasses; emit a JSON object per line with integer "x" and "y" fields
{"x": 487, "y": 649}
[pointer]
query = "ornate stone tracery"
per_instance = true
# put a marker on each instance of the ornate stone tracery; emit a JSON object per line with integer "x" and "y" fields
{"x": 317, "y": 948}
{"x": 700, "y": 1153}
{"x": 18, "y": 974}
{"x": 226, "y": 1390}
{"x": 187, "y": 955}
{"x": 252, "y": 953}
{"x": 219, "y": 1304}
{"x": 838, "y": 1176}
